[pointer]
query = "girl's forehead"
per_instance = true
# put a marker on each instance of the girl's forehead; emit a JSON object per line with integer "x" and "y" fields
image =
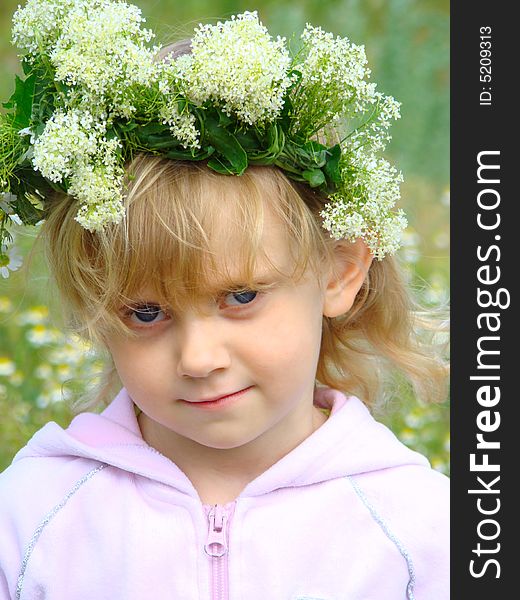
{"x": 273, "y": 244}
{"x": 200, "y": 239}
{"x": 231, "y": 244}
{"x": 229, "y": 262}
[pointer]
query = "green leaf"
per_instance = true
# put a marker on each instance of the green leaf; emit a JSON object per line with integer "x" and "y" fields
{"x": 39, "y": 129}
{"x": 179, "y": 154}
{"x": 248, "y": 140}
{"x": 315, "y": 177}
{"x": 27, "y": 67}
{"x": 315, "y": 152}
{"x": 275, "y": 138}
{"x": 227, "y": 145}
{"x": 274, "y": 143}
{"x": 152, "y": 136}
{"x": 182, "y": 104}
{"x": 161, "y": 142}
{"x": 45, "y": 97}
{"x": 28, "y": 212}
{"x": 150, "y": 129}
{"x": 224, "y": 120}
{"x": 313, "y": 147}
{"x": 26, "y": 158}
{"x": 331, "y": 168}
{"x": 221, "y": 166}
{"x": 127, "y": 126}
{"x": 30, "y": 180}
{"x": 298, "y": 157}
{"x": 312, "y": 160}
{"x": 22, "y": 101}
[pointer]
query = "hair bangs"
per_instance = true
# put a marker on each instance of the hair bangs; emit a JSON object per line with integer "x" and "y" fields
{"x": 190, "y": 233}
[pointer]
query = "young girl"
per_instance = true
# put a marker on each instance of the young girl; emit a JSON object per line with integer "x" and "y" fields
{"x": 234, "y": 462}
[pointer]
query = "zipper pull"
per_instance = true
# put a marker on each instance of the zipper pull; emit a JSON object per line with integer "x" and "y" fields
{"x": 217, "y": 532}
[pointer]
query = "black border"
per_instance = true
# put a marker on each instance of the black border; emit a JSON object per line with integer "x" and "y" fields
{"x": 476, "y": 128}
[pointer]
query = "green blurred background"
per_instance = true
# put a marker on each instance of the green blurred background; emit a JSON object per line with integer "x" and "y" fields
{"x": 407, "y": 44}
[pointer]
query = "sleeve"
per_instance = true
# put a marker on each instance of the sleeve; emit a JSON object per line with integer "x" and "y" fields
{"x": 414, "y": 504}
{"x": 27, "y": 492}
{"x": 10, "y": 538}
{"x": 430, "y": 540}
{"x": 4, "y": 589}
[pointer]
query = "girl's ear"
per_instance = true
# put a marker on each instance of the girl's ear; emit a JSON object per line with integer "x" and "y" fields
{"x": 352, "y": 261}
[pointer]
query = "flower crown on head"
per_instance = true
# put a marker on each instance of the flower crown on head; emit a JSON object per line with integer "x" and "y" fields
{"x": 94, "y": 95}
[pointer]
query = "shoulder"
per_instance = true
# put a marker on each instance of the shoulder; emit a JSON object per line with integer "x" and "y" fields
{"x": 33, "y": 485}
{"x": 30, "y": 490}
{"x": 409, "y": 483}
{"x": 411, "y": 503}
{"x": 415, "y": 499}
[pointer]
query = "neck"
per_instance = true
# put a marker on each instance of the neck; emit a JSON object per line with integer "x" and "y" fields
{"x": 220, "y": 474}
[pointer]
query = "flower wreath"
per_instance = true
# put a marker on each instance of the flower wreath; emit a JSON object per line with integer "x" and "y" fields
{"x": 94, "y": 94}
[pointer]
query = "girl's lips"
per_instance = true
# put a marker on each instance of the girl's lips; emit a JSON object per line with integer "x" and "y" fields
{"x": 221, "y": 401}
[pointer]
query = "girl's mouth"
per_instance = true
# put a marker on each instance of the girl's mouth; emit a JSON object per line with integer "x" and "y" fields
{"x": 218, "y": 402}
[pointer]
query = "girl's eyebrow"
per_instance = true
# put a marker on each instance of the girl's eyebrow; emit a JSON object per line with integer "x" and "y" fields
{"x": 260, "y": 284}
{"x": 260, "y": 281}
{"x": 137, "y": 301}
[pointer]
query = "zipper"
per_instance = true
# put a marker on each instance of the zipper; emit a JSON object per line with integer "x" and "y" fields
{"x": 216, "y": 547}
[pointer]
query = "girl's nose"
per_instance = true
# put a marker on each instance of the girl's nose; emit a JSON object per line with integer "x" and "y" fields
{"x": 202, "y": 348}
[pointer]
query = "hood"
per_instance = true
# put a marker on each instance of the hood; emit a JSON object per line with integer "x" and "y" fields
{"x": 350, "y": 442}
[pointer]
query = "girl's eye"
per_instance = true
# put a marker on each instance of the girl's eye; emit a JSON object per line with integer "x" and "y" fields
{"x": 146, "y": 314}
{"x": 240, "y": 298}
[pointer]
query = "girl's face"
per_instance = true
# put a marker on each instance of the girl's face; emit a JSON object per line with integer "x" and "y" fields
{"x": 264, "y": 345}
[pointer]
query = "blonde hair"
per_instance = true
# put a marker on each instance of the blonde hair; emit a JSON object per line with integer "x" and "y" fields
{"x": 174, "y": 211}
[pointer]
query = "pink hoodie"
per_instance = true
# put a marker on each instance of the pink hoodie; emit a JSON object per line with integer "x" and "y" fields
{"x": 94, "y": 513}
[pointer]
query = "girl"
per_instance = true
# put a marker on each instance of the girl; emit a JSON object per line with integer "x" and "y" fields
{"x": 234, "y": 460}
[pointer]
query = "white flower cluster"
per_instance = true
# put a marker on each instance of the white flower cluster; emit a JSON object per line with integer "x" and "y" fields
{"x": 108, "y": 80}
{"x": 37, "y": 25}
{"x": 67, "y": 138}
{"x": 97, "y": 48}
{"x": 172, "y": 86}
{"x": 334, "y": 86}
{"x": 97, "y": 184}
{"x": 237, "y": 66}
{"x": 73, "y": 146}
{"x": 98, "y": 45}
{"x": 333, "y": 77}
{"x": 374, "y": 135}
{"x": 101, "y": 48}
{"x": 363, "y": 208}
{"x": 182, "y": 124}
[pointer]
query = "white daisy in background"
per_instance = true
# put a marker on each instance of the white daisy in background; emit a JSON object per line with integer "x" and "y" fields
{"x": 5, "y": 206}
{"x": 6, "y": 305}
{"x": 10, "y": 260}
{"x": 39, "y": 335}
{"x": 7, "y": 366}
{"x": 36, "y": 315}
